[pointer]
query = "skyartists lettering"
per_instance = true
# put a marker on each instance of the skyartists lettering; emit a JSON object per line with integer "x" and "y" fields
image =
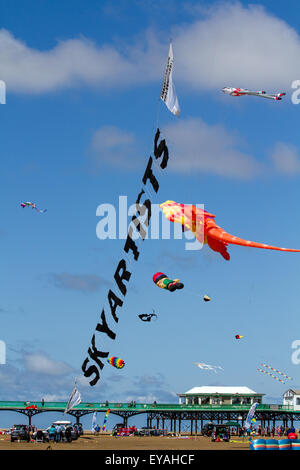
{"x": 93, "y": 364}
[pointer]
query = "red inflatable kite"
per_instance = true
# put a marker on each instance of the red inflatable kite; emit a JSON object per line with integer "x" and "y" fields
{"x": 205, "y": 229}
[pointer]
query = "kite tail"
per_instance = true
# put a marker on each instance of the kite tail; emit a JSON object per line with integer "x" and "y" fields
{"x": 225, "y": 238}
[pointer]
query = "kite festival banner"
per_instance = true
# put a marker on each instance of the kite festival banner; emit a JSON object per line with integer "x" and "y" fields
{"x": 103, "y": 339}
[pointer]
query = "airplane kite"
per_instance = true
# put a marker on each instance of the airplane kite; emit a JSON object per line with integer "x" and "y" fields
{"x": 204, "y": 366}
{"x": 242, "y": 92}
{"x": 147, "y": 316}
{"x": 162, "y": 281}
{"x": 33, "y": 205}
{"x": 205, "y": 229}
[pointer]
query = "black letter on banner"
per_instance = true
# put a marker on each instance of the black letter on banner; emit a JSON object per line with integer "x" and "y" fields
{"x": 125, "y": 275}
{"x": 162, "y": 148}
{"x": 91, "y": 370}
{"x": 114, "y": 302}
{"x": 95, "y": 353}
{"x": 150, "y": 176}
{"x": 104, "y": 328}
{"x": 141, "y": 209}
{"x": 130, "y": 245}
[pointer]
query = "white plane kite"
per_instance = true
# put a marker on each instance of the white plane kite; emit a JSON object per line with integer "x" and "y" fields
{"x": 241, "y": 92}
{"x": 204, "y": 366}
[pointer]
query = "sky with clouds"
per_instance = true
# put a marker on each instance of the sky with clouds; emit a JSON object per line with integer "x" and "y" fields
{"x": 82, "y": 105}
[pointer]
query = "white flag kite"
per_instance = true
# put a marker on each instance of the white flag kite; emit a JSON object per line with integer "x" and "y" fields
{"x": 168, "y": 93}
{"x": 74, "y": 400}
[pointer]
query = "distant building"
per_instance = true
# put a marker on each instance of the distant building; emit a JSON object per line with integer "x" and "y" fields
{"x": 292, "y": 398}
{"x": 207, "y": 395}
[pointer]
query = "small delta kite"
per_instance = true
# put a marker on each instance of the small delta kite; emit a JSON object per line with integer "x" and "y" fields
{"x": 162, "y": 281}
{"x": 242, "y": 92}
{"x": 33, "y": 205}
{"x": 205, "y": 229}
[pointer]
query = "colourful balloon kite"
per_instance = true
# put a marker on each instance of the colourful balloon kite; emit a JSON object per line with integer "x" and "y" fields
{"x": 205, "y": 229}
{"x": 239, "y": 336}
{"x": 116, "y": 362}
{"x": 162, "y": 281}
{"x": 33, "y": 205}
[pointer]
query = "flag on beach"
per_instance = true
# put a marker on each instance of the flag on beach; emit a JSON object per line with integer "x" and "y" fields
{"x": 74, "y": 400}
{"x": 168, "y": 93}
{"x": 250, "y": 415}
{"x": 94, "y": 421}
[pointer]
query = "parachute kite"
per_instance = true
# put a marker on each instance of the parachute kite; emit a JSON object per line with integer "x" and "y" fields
{"x": 206, "y": 298}
{"x": 239, "y": 336}
{"x": 205, "y": 229}
{"x": 162, "y": 281}
{"x": 33, "y": 205}
{"x": 204, "y": 366}
{"x": 147, "y": 316}
{"x": 116, "y": 362}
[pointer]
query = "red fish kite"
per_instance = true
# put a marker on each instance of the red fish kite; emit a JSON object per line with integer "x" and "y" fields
{"x": 205, "y": 229}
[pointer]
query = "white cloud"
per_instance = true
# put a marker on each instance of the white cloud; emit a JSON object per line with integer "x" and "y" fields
{"x": 286, "y": 159}
{"x": 74, "y": 62}
{"x": 198, "y": 147}
{"x": 230, "y": 45}
{"x": 79, "y": 282}
{"x": 237, "y": 46}
{"x": 41, "y": 364}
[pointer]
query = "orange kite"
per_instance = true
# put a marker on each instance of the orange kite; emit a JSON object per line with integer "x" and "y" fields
{"x": 205, "y": 229}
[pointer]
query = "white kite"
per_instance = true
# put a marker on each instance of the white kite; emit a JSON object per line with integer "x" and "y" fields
{"x": 75, "y": 399}
{"x": 204, "y": 366}
{"x": 168, "y": 93}
{"x": 242, "y": 92}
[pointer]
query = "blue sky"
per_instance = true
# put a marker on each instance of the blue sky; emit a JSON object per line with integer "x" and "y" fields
{"x": 74, "y": 73}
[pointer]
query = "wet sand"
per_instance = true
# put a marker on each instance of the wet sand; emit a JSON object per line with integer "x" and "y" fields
{"x": 106, "y": 442}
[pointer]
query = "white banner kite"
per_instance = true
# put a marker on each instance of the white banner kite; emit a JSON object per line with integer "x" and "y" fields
{"x": 168, "y": 93}
{"x": 74, "y": 400}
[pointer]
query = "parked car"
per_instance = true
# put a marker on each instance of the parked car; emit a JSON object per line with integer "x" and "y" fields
{"x": 146, "y": 431}
{"x": 41, "y": 435}
{"x": 64, "y": 425}
{"x": 20, "y": 432}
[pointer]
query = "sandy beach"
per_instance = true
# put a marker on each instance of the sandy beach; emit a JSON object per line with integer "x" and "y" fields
{"x": 106, "y": 442}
